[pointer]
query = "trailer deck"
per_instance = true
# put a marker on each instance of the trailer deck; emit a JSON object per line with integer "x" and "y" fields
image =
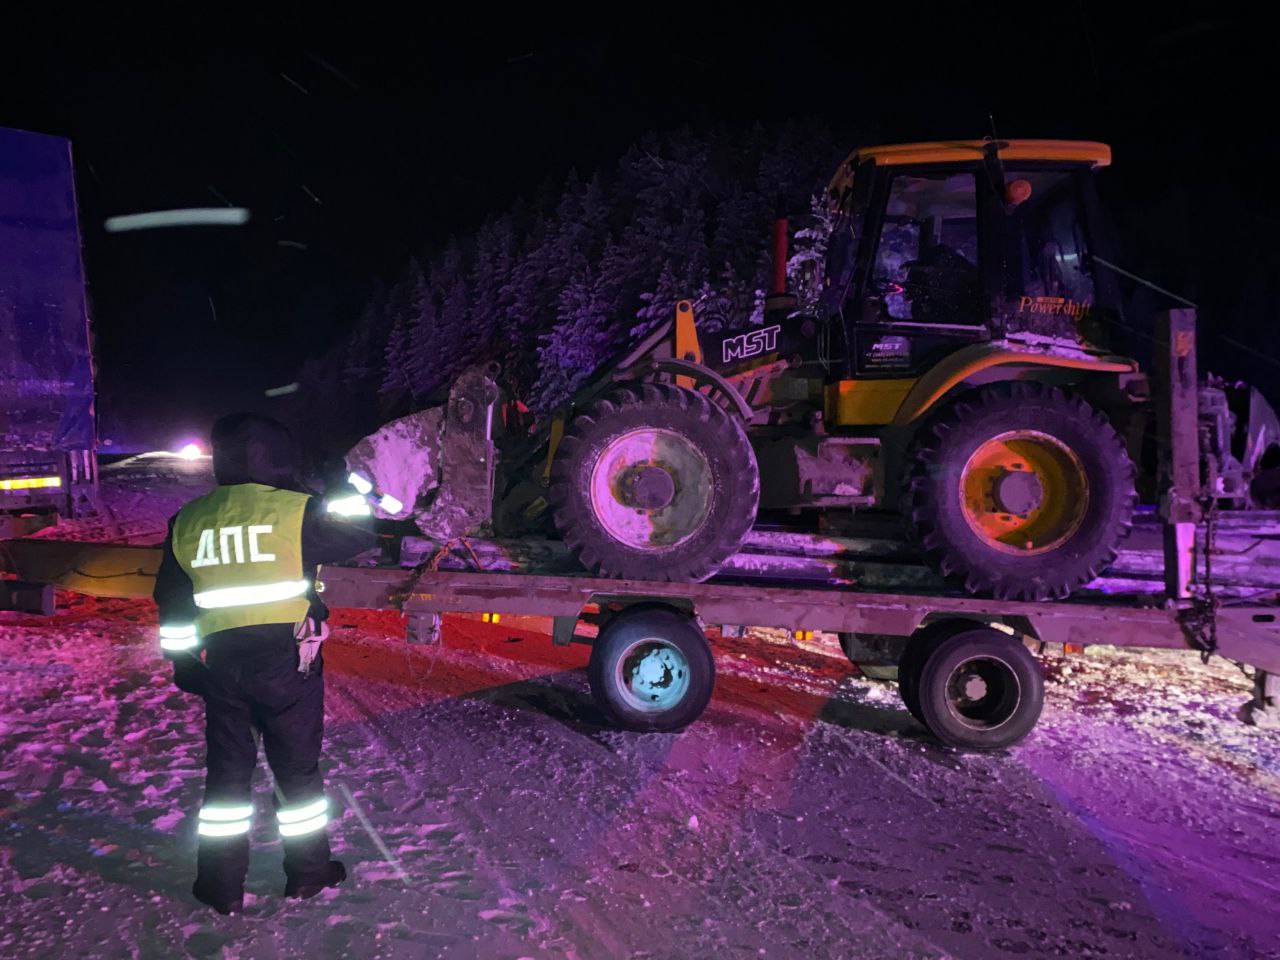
{"x": 1247, "y": 632}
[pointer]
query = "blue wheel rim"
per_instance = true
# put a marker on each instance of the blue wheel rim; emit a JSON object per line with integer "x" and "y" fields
{"x": 653, "y": 676}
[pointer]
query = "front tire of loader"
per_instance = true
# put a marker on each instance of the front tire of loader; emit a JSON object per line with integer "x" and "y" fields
{"x": 654, "y": 482}
{"x": 1020, "y": 490}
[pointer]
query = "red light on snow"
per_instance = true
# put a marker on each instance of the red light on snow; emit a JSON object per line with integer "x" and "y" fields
{"x": 1073, "y": 648}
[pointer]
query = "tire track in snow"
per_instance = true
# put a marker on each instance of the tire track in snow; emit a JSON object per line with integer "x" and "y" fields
{"x": 384, "y": 735}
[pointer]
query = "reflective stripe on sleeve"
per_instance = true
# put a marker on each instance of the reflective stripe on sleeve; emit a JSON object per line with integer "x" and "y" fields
{"x": 353, "y": 506}
{"x": 178, "y": 637}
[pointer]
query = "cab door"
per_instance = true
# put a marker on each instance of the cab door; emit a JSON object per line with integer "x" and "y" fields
{"x": 926, "y": 290}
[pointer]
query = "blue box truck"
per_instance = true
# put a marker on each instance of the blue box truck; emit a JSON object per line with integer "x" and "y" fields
{"x": 48, "y": 429}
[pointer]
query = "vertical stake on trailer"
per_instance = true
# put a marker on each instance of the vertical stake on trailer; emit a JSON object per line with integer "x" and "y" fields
{"x": 1177, "y": 425}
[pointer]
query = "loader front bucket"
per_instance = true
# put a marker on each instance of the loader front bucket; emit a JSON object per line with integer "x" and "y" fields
{"x": 436, "y": 467}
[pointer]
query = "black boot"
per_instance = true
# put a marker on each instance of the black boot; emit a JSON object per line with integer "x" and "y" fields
{"x": 224, "y": 904}
{"x": 308, "y": 889}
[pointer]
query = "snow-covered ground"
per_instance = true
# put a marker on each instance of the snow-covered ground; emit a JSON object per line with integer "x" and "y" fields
{"x": 806, "y": 815}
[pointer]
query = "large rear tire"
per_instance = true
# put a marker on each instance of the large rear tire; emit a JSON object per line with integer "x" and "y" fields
{"x": 1020, "y": 490}
{"x": 654, "y": 482}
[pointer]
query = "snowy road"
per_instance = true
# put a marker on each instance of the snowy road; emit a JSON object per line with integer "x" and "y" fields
{"x": 806, "y": 815}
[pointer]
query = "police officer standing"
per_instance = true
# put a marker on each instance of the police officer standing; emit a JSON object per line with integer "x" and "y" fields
{"x": 240, "y": 619}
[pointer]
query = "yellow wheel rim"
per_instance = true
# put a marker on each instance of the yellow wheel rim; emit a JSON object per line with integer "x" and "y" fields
{"x": 1024, "y": 492}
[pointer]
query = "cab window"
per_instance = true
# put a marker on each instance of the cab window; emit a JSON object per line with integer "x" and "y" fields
{"x": 1048, "y": 288}
{"x": 926, "y": 264}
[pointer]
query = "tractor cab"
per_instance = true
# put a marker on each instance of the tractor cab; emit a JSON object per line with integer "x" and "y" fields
{"x": 942, "y": 246}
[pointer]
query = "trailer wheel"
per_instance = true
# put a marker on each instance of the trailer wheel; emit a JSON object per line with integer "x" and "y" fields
{"x": 654, "y": 482}
{"x": 919, "y": 648}
{"x": 979, "y": 689}
{"x": 651, "y": 669}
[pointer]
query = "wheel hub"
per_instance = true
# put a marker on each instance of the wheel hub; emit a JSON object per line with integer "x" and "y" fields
{"x": 647, "y": 487}
{"x": 983, "y": 692}
{"x": 975, "y": 688}
{"x": 652, "y": 488}
{"x": 1024, "y": 492}
{"x": 653, "y": 675}
{"x": 1018, "y": 492}
{"x": 652, "y": 672}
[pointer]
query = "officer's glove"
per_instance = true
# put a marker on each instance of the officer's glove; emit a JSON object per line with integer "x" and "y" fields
{"x": 309, "y": 635}
{"x": 190, "y": 675}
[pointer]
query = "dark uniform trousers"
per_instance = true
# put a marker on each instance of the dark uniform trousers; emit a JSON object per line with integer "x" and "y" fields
{"x": 252, "y": 691}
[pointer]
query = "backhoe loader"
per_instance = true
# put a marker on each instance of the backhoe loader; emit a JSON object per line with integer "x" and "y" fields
{"x": 957, "y": 366}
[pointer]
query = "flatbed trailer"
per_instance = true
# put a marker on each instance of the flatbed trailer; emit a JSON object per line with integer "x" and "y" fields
{"x": 964, "y": 665}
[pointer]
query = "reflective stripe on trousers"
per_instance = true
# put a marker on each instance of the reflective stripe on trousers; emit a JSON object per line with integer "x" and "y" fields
{"x": 225, "y": 819}
{"x": 299, "y": 819}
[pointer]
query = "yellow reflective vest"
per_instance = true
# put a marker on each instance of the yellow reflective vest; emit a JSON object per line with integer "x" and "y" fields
{"x": 241, "y": 546}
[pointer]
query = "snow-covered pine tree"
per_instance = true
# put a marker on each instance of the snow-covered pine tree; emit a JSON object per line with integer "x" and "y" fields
{"x": 809, "y": 249}
{"x": 368, "y": 339}
{"x": 495, "y": 254}
{"x": 529, "y": 303}
{"x": 421, "y": 331}
{"x": 585, "y": 335}
{"x": 453, "y": 343}
{"x": 394, "y": 392}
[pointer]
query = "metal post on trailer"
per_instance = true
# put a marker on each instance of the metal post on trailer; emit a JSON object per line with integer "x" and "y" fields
{"x": 1177, "y": 426}
{"x": 423, "y": 629}
{"x": 1264, "y": 709}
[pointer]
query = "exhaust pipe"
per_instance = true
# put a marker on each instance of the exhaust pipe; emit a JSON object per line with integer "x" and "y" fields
{"x": 780, "y": 231}
{"x": 778, "y": 299}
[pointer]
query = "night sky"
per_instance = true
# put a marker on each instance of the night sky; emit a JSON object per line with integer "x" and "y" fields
{"x": 358, "y": 149}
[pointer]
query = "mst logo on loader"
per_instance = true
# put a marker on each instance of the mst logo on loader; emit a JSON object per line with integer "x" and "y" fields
{"x": 750, "y": 344}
